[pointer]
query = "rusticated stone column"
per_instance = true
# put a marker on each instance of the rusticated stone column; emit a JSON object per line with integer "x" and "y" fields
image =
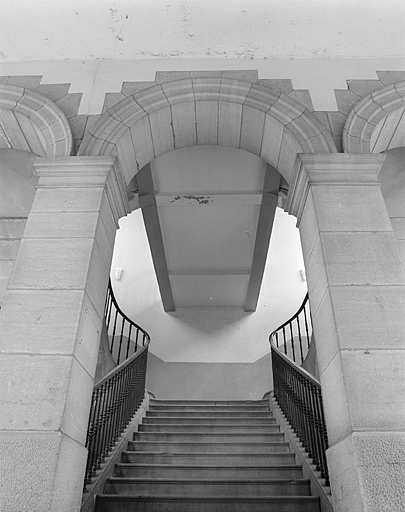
{"x": 357, "y": 290}
{"x": 50, "y": 327}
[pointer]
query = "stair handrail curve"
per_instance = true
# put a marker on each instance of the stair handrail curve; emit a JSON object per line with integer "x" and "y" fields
{"x": 117, "y": 396}
{"x": 299, "y": 394}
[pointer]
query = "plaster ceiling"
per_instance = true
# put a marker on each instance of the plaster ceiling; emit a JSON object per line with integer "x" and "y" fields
{"x": 208, "y": 212}
{"x": 246, "y": 29}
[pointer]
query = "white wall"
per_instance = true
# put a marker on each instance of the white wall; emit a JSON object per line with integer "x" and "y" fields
{"x": 208, "y": 335}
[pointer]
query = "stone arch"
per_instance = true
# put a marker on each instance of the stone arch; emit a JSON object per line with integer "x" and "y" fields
{"x": 204, "y": 111}
{"x": 32, "y": 122}
{"x": 369, "y": 115}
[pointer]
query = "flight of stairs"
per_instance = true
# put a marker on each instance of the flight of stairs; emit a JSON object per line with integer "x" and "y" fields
{"x": 207, "y": 456}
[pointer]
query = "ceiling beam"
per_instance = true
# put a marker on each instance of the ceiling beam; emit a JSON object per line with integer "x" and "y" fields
{"x": 267, "y": 212}
{"x": 150, "y": 214}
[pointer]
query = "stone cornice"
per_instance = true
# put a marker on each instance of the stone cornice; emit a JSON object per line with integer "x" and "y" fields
{"x": 86, "y": 172}
{"x": 330, "y": 169}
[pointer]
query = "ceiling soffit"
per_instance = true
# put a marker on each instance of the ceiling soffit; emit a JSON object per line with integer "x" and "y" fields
{"x": 207, "y": 111}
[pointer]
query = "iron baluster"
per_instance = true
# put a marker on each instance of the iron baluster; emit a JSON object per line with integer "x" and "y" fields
{"x": 117, "y": 396}
{"x": 297, "y": 392}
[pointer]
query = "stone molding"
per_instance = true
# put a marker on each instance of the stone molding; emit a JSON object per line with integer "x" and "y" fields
{"x": 252, "y": 104}
{"x": 333, "y": 169}
{"x": 43, "y": 113}
{"x": 86, "y": 172}
{"x": 365, "y": 116}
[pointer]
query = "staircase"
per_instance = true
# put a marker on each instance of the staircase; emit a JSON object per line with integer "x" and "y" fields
{"x": 208, "y": 456}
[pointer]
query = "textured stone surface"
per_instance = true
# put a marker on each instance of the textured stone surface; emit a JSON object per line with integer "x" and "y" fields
{"x": 362, "y": 258}
{"x": 369, "y": 472}
{"x": 52, "y": 263}
{"x": 67, "y": 200}
{"x": 31, "y": 473}
{"x": 57, "y": 322}
{"x": 366, "y": 315}
{"x": 375, "y": 388}
{"x": 28, "y": 462}
{"x": 356, "y": 208}
{"x": 33, "y": 391}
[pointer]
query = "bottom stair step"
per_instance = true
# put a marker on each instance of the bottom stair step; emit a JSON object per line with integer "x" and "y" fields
{"x": 113, "y": 503}
{"x": 211, "y": 488}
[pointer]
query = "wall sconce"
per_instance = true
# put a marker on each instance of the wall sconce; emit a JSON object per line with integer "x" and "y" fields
{"x": 303, "y": 275}
{"x": 118, "y": 273}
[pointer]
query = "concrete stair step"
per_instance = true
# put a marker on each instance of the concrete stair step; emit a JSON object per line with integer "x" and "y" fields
{"x": 114, "y": 503}
{"x": 292, "y": 471}
{"x": 211, "y": 420}
{"x": 194, "y": 487}
{"x": 209, "y": 437}
{"x": 216, "y": 428}
{"x": 209, "y": 408}
{"x": 201, "y": 458}
{"x": 212, "y": 414}
{"x": 219, "y": 447}
{"x": 209, "y": 402}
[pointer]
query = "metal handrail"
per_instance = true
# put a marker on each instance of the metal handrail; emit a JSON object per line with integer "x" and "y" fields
{"x": 299, "y": 326}
{"x": 299, "y": 396}
{"x": 118, "y": 395}
{"x": 122, "y": 327}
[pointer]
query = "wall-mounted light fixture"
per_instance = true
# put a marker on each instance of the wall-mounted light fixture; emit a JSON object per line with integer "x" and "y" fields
{"x": 118, "y": 273}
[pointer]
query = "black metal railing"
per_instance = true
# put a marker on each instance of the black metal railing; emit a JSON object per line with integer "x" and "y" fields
{"x": 118, "y": 395}
{"x": 294, "y": 336}
{"x": 299, "y": 396}
{"x": 125, "y": 336}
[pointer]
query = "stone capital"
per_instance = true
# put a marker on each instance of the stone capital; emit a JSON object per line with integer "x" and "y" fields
{"x": 334, "y": 169}
{"x": 86, "y": 172}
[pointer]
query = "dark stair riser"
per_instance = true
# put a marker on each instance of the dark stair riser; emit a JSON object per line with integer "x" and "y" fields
{"x": 132, "y": 503}
{"x": 223, "y": 459}
{"x": 207, "y": 472}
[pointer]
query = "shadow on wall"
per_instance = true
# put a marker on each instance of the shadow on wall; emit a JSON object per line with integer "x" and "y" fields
{"x": 204, "y": 381}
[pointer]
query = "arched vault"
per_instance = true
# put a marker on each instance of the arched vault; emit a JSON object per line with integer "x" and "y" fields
{"x": 202, "y": 111}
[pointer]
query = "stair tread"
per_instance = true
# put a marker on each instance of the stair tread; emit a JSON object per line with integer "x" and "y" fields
{"x": 135, "y": 497}
{"x": 176, "y": 464}
{"x": 218, "y": 481}
{"x": 195, "y": 466}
